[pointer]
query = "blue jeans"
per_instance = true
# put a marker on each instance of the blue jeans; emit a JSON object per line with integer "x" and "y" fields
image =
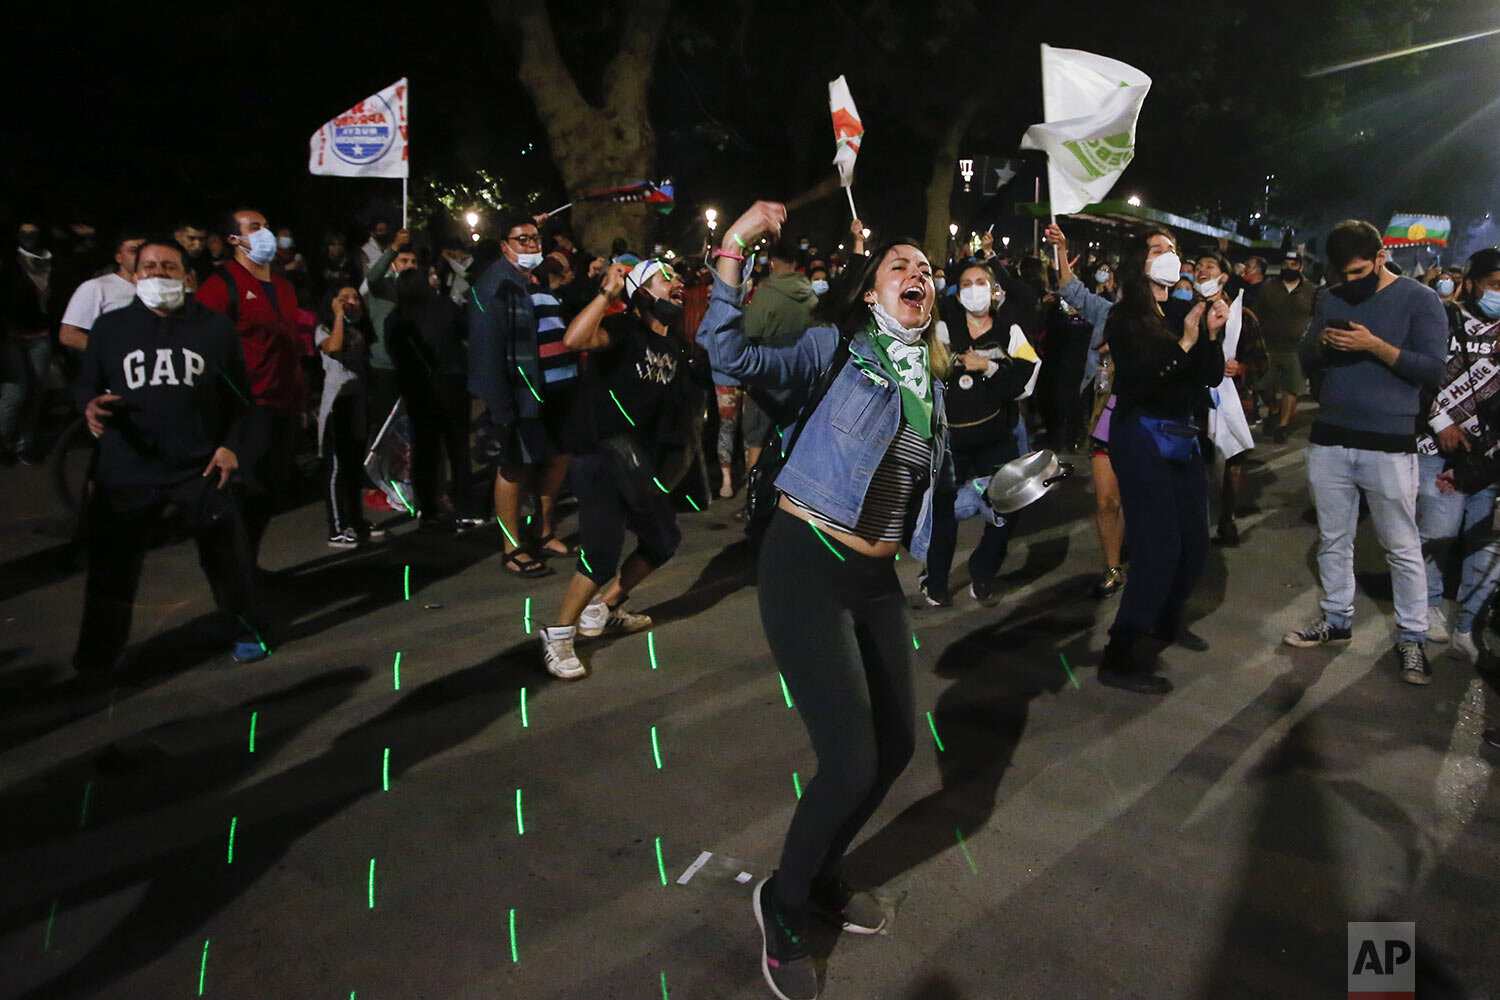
{"x": 1337, "y": 476}
{"x": 1462, "y": 521}
{"x": 23, "y": 389}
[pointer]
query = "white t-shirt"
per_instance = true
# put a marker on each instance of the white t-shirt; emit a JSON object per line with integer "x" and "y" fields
{"x": 96, "y": 297}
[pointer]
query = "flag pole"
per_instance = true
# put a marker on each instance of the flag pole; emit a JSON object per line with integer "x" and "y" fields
{"x": 403, "y": 203}
{"x": 849, "y": 190}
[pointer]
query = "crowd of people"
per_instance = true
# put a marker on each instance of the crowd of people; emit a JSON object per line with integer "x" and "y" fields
{"x": 851, "y": 401}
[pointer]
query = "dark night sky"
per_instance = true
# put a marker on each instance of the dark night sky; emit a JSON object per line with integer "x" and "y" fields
{"x": 146, "y": 116}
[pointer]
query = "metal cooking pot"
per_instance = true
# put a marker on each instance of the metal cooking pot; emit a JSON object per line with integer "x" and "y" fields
{"x": 1025, "y": 480}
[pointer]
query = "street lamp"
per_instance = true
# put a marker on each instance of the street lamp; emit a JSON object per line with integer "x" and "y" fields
{"x": 953, "y": 230}
{"x": 711, "y": 215}
{"x": 1005, "y": 241}
{"x": 1134, "y": 201}
{"x": 864, "y": 234}
{"x": 474, "y": 237}
{"x": 472, "y": 218}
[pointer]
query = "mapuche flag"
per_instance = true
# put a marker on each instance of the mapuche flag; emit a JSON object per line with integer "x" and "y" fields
{"x": 368, "y": 140}
{"x": 847, "y": 129}
{"x": 1407, "y": 230}
{"x": 1090, "y": 104}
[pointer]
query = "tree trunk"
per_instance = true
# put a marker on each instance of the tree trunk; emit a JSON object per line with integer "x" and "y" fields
{"x": 940, "y": 187}
{"x": 594, "y": 147}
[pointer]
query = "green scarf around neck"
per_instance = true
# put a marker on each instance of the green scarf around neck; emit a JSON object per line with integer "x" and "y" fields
{"x": 907, "y": 364}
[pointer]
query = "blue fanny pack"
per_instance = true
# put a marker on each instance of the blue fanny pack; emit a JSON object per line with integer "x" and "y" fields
{"x": 1176, "y": 441}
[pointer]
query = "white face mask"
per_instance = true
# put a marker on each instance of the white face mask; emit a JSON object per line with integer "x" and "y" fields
{"x": 819, "y": 286}
{"x": 975, "y": 298}
{"x": 285, "y": 243}
{"x": 260, "y": 246}
{"x": 1165, "y": 270}
{"x": 887, "y": 322}
{"x": 1208, "y": 289}
{"x": 166, "y": 294}
{"x": 941, "y": 283}
{"x": 528, "y": 261}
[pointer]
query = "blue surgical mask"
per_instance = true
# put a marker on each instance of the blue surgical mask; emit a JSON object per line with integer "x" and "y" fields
{"x": 1489, "y": 304}
{"x": 1182, "y": 294}
{"x": 820, "y": 287}
{"x": 262, "y": 246}
{"x": 1101, "y": 276}
{"x": 1445, "y": 287}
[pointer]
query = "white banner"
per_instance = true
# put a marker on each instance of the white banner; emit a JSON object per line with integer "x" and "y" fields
{"x": 1090, "y": 104}
{"x": 368, "y": 140}
{"x": 847, "y": 129}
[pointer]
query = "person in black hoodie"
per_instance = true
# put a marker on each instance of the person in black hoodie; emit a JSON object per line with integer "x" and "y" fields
{"x": 994, "y": 368}
{"x": 425, "y": 337}
{"x": 164, "y": 388}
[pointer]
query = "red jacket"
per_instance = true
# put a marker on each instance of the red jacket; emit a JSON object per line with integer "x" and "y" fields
{"x": 268, "y": 334}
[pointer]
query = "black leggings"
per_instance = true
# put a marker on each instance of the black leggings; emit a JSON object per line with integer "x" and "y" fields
{"x": 344, "y": 464}
{"x": 840, "y": 635}
{"x": 989, "y": 554}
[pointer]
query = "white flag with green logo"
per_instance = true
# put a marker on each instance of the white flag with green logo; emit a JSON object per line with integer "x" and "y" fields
{"x": 1091, "y": 104}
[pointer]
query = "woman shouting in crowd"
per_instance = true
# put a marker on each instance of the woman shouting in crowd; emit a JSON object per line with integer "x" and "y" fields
{"x": 858, "y": 480}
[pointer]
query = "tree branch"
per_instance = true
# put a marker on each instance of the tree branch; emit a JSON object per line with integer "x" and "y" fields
{"x": 540, "y": 66}
{"x": 627, "y": 77}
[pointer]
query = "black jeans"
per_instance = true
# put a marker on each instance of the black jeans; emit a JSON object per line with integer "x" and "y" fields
{"x": 438, "y": 406}
{"x": 603, "y": 517}
{"x": 344, "y": 436}
{"x": 841, "y": 638}
{"x": 984, "y": 563}
{"x": 120, "y": 525}
{"x": 1166, "y": 527}
{"x": 268, "y": 453}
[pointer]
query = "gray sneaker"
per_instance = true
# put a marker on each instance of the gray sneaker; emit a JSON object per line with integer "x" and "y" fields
{"x": 1414, "y": 668}
{"x": 1437, "y": 625}
{"x": 599, "y": 618}
{"x": 857, "y": 912}
{"x": 784, "y": 960}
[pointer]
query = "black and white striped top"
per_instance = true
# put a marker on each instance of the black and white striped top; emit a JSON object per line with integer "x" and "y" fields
{"x": 899, "y": 480}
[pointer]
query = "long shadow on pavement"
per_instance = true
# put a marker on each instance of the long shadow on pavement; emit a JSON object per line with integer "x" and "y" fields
{"x": 186, "y": 884}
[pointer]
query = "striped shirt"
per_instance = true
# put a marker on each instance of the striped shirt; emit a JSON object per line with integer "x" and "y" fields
{"x": 900, "y": 478}
{"x": 559, "y": 365}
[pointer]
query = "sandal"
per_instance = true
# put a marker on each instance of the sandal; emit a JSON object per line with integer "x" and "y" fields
{"x": 532, "y": 568}
{"x": 546, "y": 553}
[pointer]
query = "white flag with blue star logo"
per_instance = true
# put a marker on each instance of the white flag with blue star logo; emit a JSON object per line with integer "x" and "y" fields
{"x": 368, "y": 140}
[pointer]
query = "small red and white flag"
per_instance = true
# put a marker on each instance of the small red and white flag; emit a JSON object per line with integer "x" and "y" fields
{"x": 368, "y": 140}
{"x": 847, "y": 129}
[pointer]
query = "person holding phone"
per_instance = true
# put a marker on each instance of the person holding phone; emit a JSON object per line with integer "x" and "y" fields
{"x": 1374, "y": 342}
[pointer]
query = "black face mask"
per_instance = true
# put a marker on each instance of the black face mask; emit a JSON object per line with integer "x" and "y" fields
{"x": 665, "y": 311}
{"x": 383, "y": 240}
{"x": 28, "y": 242}
{"x": 1356, "y": 291}
{"x": 1290, "y": 277}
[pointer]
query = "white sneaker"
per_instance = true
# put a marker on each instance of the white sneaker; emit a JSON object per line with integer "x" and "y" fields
{"x": 557, "y": 652}
{"x": 1437, "y": 625}
{"x": 345, "y": 539}
{"x": 1464, "y": 647}
{"x": 599, "y": 618}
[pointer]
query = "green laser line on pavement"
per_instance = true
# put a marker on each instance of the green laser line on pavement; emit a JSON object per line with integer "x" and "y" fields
{"x": 967, "y": 856}
{"x": 661, "y": 867}
{"x": 406, "y": 581}
{"x": 935, "y": 738}
{"x": 797, "y": 784}
{"x": 520, "y": 823}
{"x": 233, "y": 822}
{"x": 824, "y": 539}
{"x": 252, "y": 730}
{"x": 1068, "y": 669}
{"x": 515, "y": 956}
{"x": 526, "y": 616}
{"x": 385, "y": 771}
{"x": 372, "y": 883}
{"x": 528, "y": 383}
{"x": 914, "y": 643}
{"x": 622, "y": 408}
{"x": 203, "y": 967}
{"x": 651, "y": 647}
{"x": 655, "y": 749}
{"x": 524, "y": 723}
{"x": 396, "y": 672}
{"x": 784, "y": 692}
{"x": 664, "y": 986}
{"x": 51, "y": 915}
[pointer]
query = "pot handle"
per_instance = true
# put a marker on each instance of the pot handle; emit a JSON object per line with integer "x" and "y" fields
{"x": 1064, "y": 470}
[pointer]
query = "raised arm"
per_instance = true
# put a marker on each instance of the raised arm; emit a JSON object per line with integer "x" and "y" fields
{"x": 586, "y": 333}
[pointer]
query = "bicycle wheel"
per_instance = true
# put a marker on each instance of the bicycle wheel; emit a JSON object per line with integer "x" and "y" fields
{"x": 70, "y": 463}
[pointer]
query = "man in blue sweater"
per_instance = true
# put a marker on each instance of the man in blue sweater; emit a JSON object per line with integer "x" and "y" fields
{"x": 1374, "y": 341}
